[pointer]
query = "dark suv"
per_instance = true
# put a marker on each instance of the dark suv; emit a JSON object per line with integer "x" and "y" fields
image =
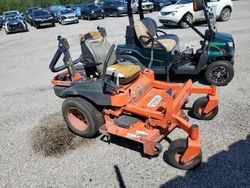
{"x": 42, "y": 17}
{"x": 114, "y": 7}
{"x": 91, "y": 11}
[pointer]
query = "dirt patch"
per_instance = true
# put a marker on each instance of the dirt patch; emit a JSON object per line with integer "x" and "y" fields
{"x": 52, "y": 138}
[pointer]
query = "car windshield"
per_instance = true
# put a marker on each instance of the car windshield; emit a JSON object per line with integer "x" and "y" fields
{"x": 31, "y": 10}
{"x": 92, "y": 7}
{"x": 113, "y": 2}
{"x": 184, "y": 1}
{"x": 41, "y": 13}
{"x": 67, "y": 11}
{"x": 13, "y": 13}
{"x": 11, "y": 18}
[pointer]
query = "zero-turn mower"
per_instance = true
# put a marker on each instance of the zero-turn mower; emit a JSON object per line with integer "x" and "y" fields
{"x": 118, "y": 97}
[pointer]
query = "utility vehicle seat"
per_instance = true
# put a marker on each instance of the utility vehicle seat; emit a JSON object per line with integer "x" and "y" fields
{"x": 94, "y": 51}
{"x": 146, "y": 28}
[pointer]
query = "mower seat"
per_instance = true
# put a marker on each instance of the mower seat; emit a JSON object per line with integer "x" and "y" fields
{"x": 94, "y": 52}
{"x": 124, "y": 73}
{"x": 146, "y": 28}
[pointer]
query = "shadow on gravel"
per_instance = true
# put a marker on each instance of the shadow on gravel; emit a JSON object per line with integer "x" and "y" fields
{"x": 225, "y": 169}
{"x": 52, "y": 138}
{"x": 119, "y": 177}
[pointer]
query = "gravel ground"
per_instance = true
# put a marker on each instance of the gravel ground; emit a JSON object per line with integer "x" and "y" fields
{"x": 37, "y": 150}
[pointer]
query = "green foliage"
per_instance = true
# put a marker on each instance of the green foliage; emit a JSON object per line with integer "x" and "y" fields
{"x": 22, "y": 5}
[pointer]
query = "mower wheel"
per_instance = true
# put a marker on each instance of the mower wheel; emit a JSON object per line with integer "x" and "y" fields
{"x": 219, "y": 72}
{"x": 198, "y": 107}
{"x": 82, "y": 117}
{"x": 158, "y": 148}
{"x": 175, "y": 152}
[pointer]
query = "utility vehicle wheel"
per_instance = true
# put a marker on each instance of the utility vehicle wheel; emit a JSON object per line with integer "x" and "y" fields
{"x": 175, "y": 152}
{"x": 198, "y": 107}
{"x": 219, "y": 73}
{"x": 82, "y": 117}
{"x": 189, "y": 18}
{"x": 225, "y": 14}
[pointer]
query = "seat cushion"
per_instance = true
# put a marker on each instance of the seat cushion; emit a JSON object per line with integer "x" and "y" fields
{"x": 124, "y": 72}
{"x": 169, "y": 44}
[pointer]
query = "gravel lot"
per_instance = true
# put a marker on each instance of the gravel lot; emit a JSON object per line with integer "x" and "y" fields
{"x": 37, "y": 150}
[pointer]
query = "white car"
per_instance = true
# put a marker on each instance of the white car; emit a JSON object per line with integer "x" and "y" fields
{"x": 172, "y": 14}
{"x": 146, "y": 5}
{"x": 66, "y": 16}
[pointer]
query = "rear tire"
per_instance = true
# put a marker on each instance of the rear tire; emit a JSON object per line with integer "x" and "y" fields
{"x": 219, "y": 73}
{"x": 225, "y": 14}
{"x": 82, "y": 117}
{"x": 175, "y": 152}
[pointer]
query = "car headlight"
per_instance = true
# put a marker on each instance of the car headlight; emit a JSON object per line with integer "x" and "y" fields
{"x": 161, "y": 4}
{"x": 231, "y": 44}
{"x": 120, "y": 8}
{"x": 92, "y": 11}
{"x": 38, "y": 19}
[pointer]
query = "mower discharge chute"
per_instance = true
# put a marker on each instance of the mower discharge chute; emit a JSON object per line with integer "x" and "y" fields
{"x": 121, "y": 97}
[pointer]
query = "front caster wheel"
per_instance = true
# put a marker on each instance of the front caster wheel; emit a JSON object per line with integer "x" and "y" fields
{"x": 82, "y": 117}
{"x": 198, "y": 108}
{"x": 175, "y": 152}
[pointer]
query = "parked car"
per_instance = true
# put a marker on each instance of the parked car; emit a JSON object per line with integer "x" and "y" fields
{"x": 42, "y": 17}
{"x": 159, "y": 4}
{"x": 147, "y": 6}
{"x": 173, "y": 14}
{"x": 67, "y": 16}
{"x": 76, "y": 8}
{"x": 14, "y": 24}
{"x": 54, "y": 10}
{"x": 28, "y": 14}
{"x": 114, "y": 7}
{"x": 92, "y": 11}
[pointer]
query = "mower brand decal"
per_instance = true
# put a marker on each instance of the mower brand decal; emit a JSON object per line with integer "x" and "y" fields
{"x": 155, "y": 101}
{"x": 132, "y": 136}
{"x": 141, "y": 133}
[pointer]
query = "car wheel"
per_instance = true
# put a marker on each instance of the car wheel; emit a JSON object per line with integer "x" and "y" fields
{"x": 6, "y": 32}
{"x": 53, "y": 24}
{"x": 225, "y": 14}
{"x": 189, "y": 18}
{"x": 116, "y": 14}
{"x": 88, "y": 17}
{"x": 219, "y": 73}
